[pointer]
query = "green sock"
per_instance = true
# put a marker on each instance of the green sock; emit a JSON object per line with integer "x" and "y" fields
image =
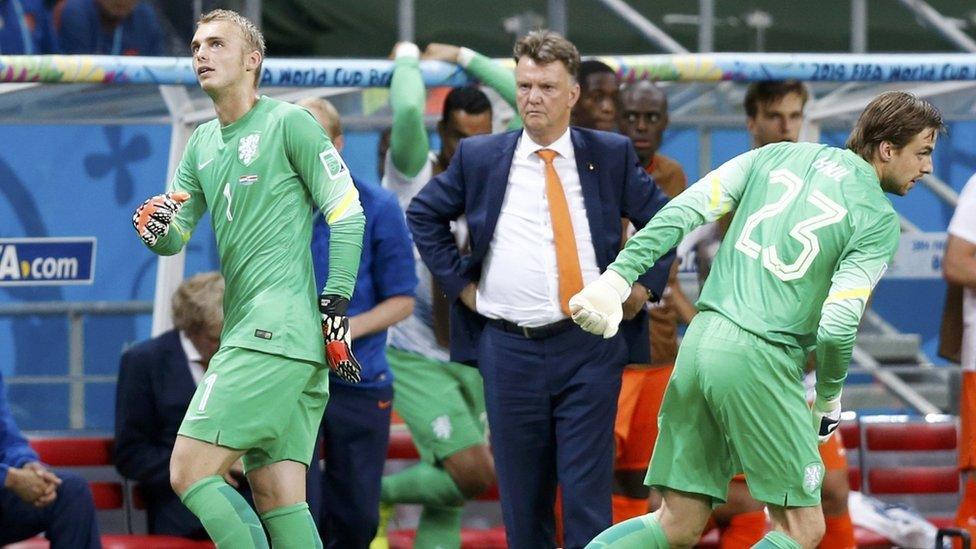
{"x": 439, "y": 528}
{"x": 225, "y": 515}
{"x": 424, "y": 484}
{"x": 292, "y": 526}
{"x": 777, "y": 540}
{"x": 641, "y": 532}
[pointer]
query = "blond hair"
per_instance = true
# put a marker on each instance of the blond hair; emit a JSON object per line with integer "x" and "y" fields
{"x": 253, "y": 39}
{"x": 198, "y": 303}
{"x": 325, "y": 113}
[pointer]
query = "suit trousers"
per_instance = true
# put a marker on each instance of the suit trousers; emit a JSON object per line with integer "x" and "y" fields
{"x": 551, "y": 405}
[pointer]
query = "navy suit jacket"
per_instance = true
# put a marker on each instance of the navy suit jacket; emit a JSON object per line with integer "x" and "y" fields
{"x": 154, "y": 389}
{"x": 614, "y": 186}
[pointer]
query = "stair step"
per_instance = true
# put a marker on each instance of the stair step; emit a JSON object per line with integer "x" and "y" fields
{"x": 890, "y": 347}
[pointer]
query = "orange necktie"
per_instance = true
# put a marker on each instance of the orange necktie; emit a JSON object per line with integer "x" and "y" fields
{"x": 567, "y": 256}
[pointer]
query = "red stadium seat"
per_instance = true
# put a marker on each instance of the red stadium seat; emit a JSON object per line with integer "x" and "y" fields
{"x": 851, "y": 432}
{"x": 908, "y": 437}
{"x": 108, "y": 495}
{"x": 913, "y": 480}
{"x": 908, "y": 434}
{"x": 401, "y": 445}
{"x": 854, "y": 477}
{"x": 74, "y": 452}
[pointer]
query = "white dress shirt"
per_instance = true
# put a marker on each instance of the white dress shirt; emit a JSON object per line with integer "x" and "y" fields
{"x": 193, "y": 358}
{"x": 963, "y": 225}
{"x": 520, "y": 280}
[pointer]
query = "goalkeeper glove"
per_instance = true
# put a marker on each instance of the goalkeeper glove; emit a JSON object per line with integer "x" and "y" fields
{"x": 826, "y": 417}
{"x": 597, "y": 308}
{"x": 335, "y": 332}
{"x": 152, "y": 219}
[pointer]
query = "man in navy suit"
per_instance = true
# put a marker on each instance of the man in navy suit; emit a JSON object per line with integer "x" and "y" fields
{"x": 157, "y": 379}
{"x": 543, "y": 208}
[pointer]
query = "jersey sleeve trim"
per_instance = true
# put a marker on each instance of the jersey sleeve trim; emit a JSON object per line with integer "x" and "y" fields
{"x": 856, "y": 293}
{"x": 341, "y": 209}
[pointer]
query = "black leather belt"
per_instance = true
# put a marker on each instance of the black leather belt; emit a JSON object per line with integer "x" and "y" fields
{"x": 539, "y": 332}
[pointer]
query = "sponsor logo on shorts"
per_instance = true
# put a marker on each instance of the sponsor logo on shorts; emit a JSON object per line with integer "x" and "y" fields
{"x": 384, "y": 404}
{"x": 812, "y": 477}
{"x": 262, "y": 334}
{"x": 442, "y": 427}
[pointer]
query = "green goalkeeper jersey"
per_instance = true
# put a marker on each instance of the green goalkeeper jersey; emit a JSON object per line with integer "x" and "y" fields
{"x": 261, "y": 178}
{"x": 812, "y": 234}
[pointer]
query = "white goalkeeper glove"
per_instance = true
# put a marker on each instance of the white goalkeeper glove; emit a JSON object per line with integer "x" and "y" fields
{"x": 153, "y": 217}
{"x": 826, "y": 417}
{"x": 597, "y": 308}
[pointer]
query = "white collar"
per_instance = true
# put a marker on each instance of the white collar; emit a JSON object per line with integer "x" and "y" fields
{"x": 191, "y": 352}
{"x": 527, "y": 147}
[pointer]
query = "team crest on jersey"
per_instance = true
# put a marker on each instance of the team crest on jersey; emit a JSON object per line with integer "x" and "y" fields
{"x": 812, "y": 477}
{"x": 247, "y": 148}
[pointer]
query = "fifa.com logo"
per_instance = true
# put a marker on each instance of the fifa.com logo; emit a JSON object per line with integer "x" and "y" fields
{"x": 50, "y": 261}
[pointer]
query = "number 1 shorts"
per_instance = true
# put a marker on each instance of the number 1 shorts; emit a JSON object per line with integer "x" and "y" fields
{"x": 268, "y": 405}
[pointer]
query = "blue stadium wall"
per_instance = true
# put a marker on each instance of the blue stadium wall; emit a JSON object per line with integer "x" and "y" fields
{"x": 85, "y": 180}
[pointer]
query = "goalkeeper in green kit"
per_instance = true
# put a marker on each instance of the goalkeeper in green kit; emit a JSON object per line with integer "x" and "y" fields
{"x": 812, "y": 234}
{"x": 260, "y": 168}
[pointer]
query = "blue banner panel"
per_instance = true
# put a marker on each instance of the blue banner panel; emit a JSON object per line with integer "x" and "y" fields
{"x": 46, "y": 261}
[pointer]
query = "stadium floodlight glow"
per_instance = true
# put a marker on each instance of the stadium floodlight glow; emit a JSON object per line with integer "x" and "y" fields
{"x": 361, "y": 73}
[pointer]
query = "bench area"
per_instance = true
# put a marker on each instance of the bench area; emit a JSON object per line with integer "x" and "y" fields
{"x": 894, "y": 458}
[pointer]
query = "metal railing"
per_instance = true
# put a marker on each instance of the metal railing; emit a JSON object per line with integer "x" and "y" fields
{"x": 75, "y": 312}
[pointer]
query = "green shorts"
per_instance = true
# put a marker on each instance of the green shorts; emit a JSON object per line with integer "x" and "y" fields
{"x": 268, "y": 405}
{"x": 735, "y": 403}
{"x": 442, "y": 403}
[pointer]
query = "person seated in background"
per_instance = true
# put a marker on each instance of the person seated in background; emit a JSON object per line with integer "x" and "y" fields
{"x": 33, "y": 499}
{"x": 108, "y": 27}
{"x": 26, "y": 28}
{"x": 157, "y": 379}
{"x": 356, "y": 424}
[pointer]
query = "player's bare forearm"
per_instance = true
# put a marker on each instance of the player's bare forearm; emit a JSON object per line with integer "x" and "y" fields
{"x": 959, "y": 263}
{"x": 385, "y": 314}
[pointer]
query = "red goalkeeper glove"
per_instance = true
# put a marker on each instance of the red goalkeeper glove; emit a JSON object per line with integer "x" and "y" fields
{"x": 335, "y": 332}
{"x": 152, "y": 219}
